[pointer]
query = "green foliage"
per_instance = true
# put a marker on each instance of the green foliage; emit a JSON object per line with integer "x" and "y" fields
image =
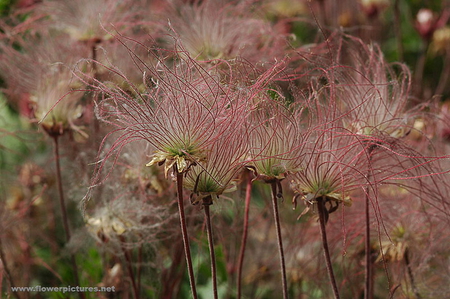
{"x": 5, "y": 6}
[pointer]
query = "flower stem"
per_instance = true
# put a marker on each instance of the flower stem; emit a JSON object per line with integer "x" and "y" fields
{"x": 248, "y": 194}
{"x": 206, "y": 204}
{"x": 184, "y": 233}
{"x": 368, "y": 288}
{"x": 62, "y": 205}
{"x": 322, "y": 216}
{"x": 7, "y": 272}
{"x": 279, "y": 239}
{"x": 128, "y": 262}
{"x": 398, "y": 30}
{"x": 410, "y": 274}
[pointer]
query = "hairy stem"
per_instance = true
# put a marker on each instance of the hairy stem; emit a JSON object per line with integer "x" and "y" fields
{"x": 248, "y": 194}
{"x": 212, "y": 254}
{"x": 184, "y": 233}
{"x": 62, "y": 205}
{"x": 128, "y": 262}
{"x": 7, "y": 272}
{"x": 368, "y": 286}
{"x": 322, "y": 216}
{"x": 279, "y": 238}
{"x": 410, "y": 274}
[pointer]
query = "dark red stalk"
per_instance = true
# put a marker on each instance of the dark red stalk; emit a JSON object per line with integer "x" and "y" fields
{"x": 398, "y": 30}
{"x": 276, "y": 216}
{"x": 206, "y": 204}
{"x": 139, "y": 266}
{"x": 322, "y": 216}
{"x": 420, "y": 68}
{"x": 7, "y": 272}
{"x": 62, "y": 205}
{"x": 184, "y": 233}
{"x": 128, "y": 262}
{"x": 172, "y": 277}
{"x": 410, "y": 274}
{"x": 248, "y": 194}
{"x": 368, "y": 288}
{"x": 445, "y": 74}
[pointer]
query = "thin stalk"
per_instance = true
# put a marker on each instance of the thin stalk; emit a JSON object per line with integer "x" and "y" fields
{"x": 171, "y": 277}
{"x": 420, "y": 68}
{"x": 322, "y": 216}
{"x": 128, "y": 262}
{"x": 410, "y": 274}
{"x": 276, "y": 216}
{"x": 445, "y": 74}
{"x": 398, "y": 30}
{"x": 139, "y": 266}
{"x": 7, "y": 272}
{"x": 184, "y": 233}
{"x": 368, "y": 287}
{"x": 248, "y": 194}
{"x": 212, "y": 254}
{"x": 62, "y": 205}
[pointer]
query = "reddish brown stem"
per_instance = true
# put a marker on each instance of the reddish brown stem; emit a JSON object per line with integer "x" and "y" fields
{"x": 62, "y": 205}
{"x": 369, "y": 276}
{"x": 326, "y": 251}
{"x": 279, "y": 238}
{"x": 7, "y": 272}
{"x": 211, "y": 249}
{"x": 248, "y": 194}
{"x": 184, "y": 233}
{"x": 128, "y": 262}
{"x": 410, "y": 274}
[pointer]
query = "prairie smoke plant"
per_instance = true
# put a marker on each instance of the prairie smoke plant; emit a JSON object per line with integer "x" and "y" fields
{"x": 332, "y": 168}
{"x": 83, "y": 19}
{"x": 217, "y": 173}
{"x": 374, "y": 96}
{"x": 124, "y": 224}
{"x": 211, "y": 30}
{"x": 275, "y": 142}
{"x": 275, "y": 151}
{"x": 184, "y": 110}
{"x": 41, "y": 69}
{"x": 209, "y": 179}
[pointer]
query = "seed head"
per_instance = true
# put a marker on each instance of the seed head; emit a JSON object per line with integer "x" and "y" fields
{"x": 42, "y": 69}
{"x": 373, "y": 95}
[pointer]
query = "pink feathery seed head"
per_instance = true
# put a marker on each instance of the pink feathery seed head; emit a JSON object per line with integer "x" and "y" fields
{"x": 42, "y": 69}
{"x": 114, "y": 54}
{"x": 224, "y": 159}
{"x": 83, "y": 19}
{"x": 129, "y": 222}
{"x": 276, "y": 141}
{"x": 215, "y": 30}
{"x": 373, "y": 95}
{"x": 333, "y": 166}
{"x": 131, "y": 172}
{"x": 181, "y": 108}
